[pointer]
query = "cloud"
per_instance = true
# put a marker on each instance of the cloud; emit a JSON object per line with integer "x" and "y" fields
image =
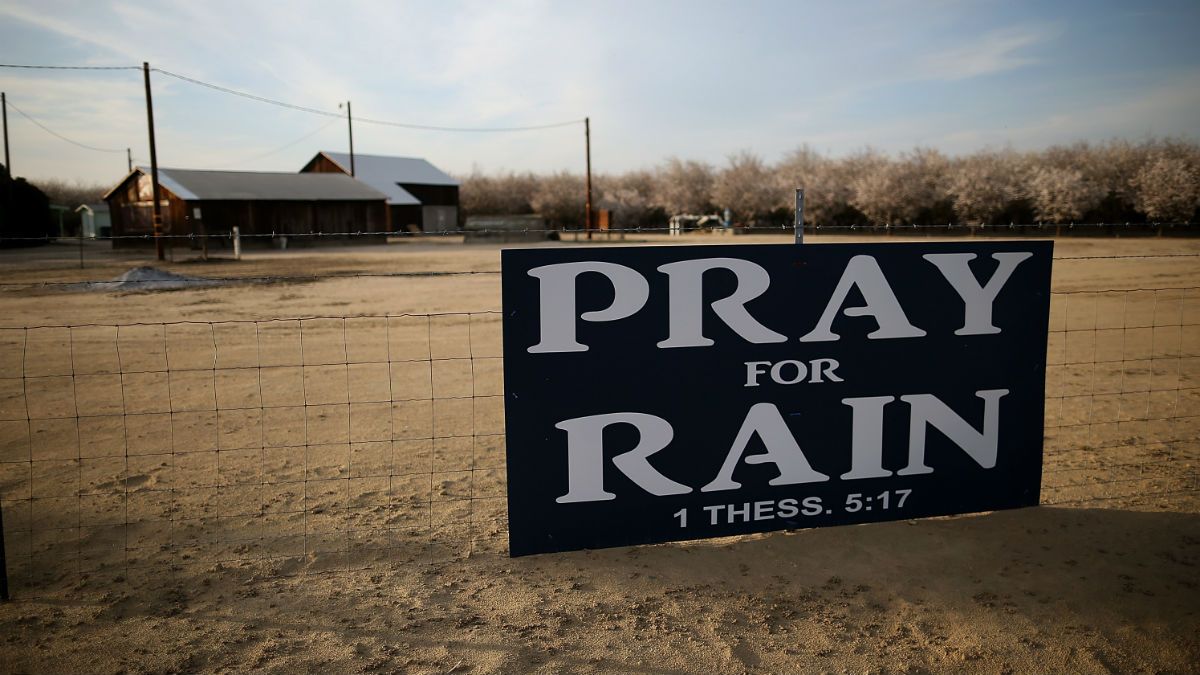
{"x": 994, "y": 52}
{"x": 78, "y": 31}
{"x": 1166, "y": 109}
{"x": 698, "y": 80}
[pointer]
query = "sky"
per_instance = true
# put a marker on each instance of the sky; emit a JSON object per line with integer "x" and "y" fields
{"x": 696, "y": 80}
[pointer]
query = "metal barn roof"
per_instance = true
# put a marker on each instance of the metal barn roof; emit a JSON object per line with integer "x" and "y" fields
{"x": 387, "y": 173}
{"x": 189, "y": 184}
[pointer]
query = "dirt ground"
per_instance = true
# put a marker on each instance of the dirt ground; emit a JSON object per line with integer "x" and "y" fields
{"x": 1102, "y": 579}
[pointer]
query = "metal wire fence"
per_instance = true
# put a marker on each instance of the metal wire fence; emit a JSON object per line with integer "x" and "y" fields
{"x": 328, "y": 444}
{"x": 296, "y": 446}
{"x": 218, "y": 234}
{"x": 1123, "y": 397}
{"x": 230, "y": 275}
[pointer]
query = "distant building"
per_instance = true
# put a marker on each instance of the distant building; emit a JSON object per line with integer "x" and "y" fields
{"x": 258, "y": 203}
{"x": 94, "y": 220}
{"x": 420, "y": 196}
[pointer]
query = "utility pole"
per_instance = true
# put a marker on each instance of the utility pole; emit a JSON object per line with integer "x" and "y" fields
{"x": 4, "y": 108}
{"x": 350, "y": 126}
{"x": 129, "y": 160}
{"x": 158, "y": 242}
{"x": 8, "y": 215}
{"x": 587, "y": 143}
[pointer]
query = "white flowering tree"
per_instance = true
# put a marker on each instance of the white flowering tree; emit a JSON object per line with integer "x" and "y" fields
{"x": 984, "y": 185}
{"x": 683, "y": 186}
{"x": 826, "y": 183}
{"x": 629, "y": 196}
{"x": 499, "y": 194}
{"x": 746, "y": 187}
{"x": 896, "y": 191}
{"x": 1062, "y": 195}
{"x": 1167, "y": 189}
{"x": 559, "y": 198}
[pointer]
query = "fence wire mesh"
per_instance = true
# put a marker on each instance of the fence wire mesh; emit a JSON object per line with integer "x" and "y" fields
{"x": 221, "y": 237}
{"x": 298, "y": 446}
{"x": 1122, "y": 397}
{"x": 328, "y": 444}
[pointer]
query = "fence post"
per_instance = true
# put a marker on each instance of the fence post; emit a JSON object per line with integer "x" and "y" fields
{"x": 237, "y": 243}
{"x": 799, "y": 216}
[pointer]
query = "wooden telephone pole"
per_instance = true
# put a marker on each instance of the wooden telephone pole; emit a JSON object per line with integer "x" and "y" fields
{"x": 350, "y": 128}
{"x": 158, "y": 242}
{"x": 587, "y": 144}
{"x": 4, "y": 108}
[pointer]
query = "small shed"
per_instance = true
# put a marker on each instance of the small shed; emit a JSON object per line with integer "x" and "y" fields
{"x": 420, "y": 196}
{"x": 95, "y": 220}
{"x": 265, "y": 206}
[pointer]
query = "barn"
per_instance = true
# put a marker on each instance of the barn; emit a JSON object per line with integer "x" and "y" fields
{"x": 267, "y": 207}
{"x": 420, "y": 196}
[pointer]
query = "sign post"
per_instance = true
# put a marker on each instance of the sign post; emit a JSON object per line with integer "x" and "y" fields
{"x": 665, "y": 393}
{"x": 799, "y": 216}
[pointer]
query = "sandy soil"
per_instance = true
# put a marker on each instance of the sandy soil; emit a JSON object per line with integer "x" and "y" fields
{"x": 295, "y": 494}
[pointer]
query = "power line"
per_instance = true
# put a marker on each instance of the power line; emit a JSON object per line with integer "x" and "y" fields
{"x": 425, "y": 127}
{"x": 287, "y": 145}
{"x": 301, "y": 108}
{"x": 60, "y": 136}
{"x": 390, "y": 123}
{"x": 253, "y": 97}
{"x": 41, "y": 67}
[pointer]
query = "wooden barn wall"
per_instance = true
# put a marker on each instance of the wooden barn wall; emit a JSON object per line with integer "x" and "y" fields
{"x": 406, "y": 218}
{"x": 284, "y": 218}
{"x": 132, "y": 215}
{"x": 433, "y": 195}
{"x": 322, "y": 164}
{"x": 131, "y": 209}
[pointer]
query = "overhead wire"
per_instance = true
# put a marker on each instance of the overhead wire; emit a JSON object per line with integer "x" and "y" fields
{"x": 364, "y": 120}
{"x": 426, "y": 127}
{"x": 58, "y": 135}
{"x": 44, "y": 67}
{"x": 253, "y": 97}
{"x": 334, "y": 116}
{"x": 283, "y": 147}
